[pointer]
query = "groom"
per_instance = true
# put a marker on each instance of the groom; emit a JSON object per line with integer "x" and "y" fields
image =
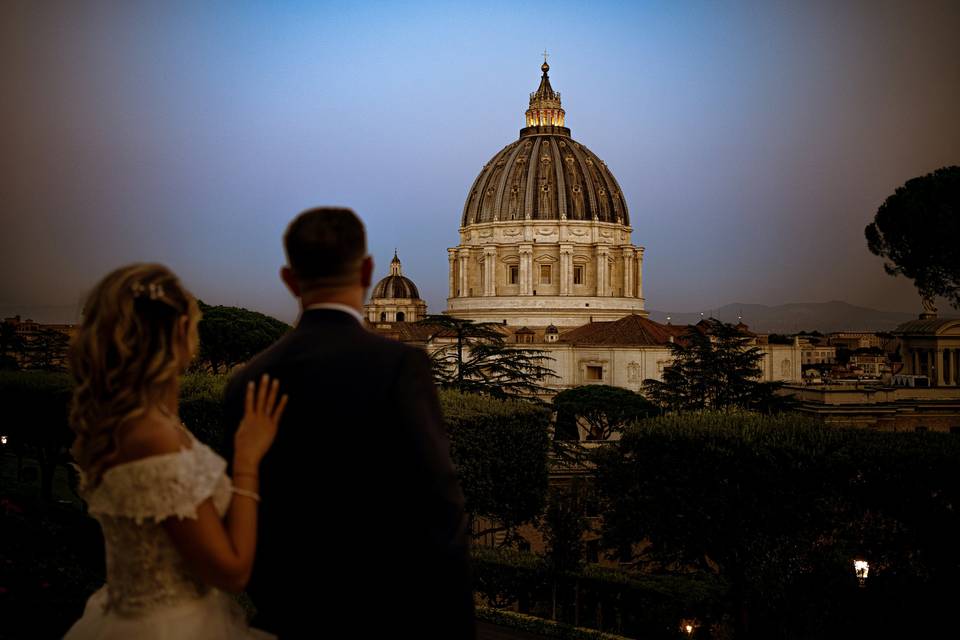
{"x": 362, "y": 526}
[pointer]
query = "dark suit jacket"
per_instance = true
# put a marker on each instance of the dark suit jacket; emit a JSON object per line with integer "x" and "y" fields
{"x": 360, "y": 501}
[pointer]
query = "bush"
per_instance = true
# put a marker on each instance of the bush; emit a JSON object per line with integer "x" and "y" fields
{"x": 539, "y": 626}
{"x": 780, "y": 506}
{"x": 499, "y": 448}
{"x": 600, "y": 598}
{"x": 201, "y": 409}
{"x": 35, "y": 406}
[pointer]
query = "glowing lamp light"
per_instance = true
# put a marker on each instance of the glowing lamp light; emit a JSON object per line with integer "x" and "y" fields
{"x": 688, "y": 626}
{"x": 3, "y": 439}
{"x": 862, "y": 569}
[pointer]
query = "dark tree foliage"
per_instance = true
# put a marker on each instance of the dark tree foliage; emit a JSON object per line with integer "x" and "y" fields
{"x": 916, "y": 231}
{"x": 35, "y": 406}
{"x": 480, "y": 361}
{"x": 10, "y": 343}
{"x": 500, "y": 451}
{"x": 603, "y": 409}
{"x": 713, "y": 367}
{"x": 779, "y": 506}
{"x": 564, "y": 524}
{"x": 231, "y": 335}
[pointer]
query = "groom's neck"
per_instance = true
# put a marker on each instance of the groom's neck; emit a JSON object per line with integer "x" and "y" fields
{"x": 349, "y": 296}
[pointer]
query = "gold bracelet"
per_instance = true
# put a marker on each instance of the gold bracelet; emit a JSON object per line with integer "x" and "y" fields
{"x": 248, "y": 494}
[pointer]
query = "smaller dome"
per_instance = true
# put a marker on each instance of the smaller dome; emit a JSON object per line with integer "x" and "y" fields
{"x": 396, "y": 285}
{"x": 552, "y": 329}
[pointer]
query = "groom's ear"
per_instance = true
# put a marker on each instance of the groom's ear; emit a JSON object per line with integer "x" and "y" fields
{"x": 290, "y": 279}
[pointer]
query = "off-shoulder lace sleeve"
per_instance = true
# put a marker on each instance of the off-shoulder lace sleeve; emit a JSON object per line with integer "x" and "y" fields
{"x": 159, "y": 487}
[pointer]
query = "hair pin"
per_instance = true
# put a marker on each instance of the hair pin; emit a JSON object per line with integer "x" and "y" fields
{"x": 153, "y": 290}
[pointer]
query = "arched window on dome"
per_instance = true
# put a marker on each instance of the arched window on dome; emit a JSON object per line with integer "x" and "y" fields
{"x": 383, "y": 316}
{"x": 401, "y": 316}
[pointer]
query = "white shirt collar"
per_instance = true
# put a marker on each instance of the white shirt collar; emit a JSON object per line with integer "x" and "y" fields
{"x": 336, "y": 306}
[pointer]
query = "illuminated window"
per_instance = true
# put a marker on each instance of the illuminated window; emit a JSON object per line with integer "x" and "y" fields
{"x": 594, "y": 372}
{"x": 578, "y": 274}
{"x": 544, "y": 274}
{"x": 514, "y": 275}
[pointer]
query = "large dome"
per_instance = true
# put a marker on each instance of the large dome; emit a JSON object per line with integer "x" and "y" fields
{"x": 545, "y": 233}
{"x": 545, "y": 175}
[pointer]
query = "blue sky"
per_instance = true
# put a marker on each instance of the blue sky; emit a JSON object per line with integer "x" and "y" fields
{"x": 753, "y": 141}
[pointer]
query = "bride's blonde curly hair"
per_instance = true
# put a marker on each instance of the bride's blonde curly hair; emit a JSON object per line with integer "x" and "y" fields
{"x": 124, "y": 356}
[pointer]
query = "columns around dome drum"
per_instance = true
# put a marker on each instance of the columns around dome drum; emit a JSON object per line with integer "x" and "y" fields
{"x": 566, "y": 269}
{"x": 489, "y": 271}
{"x": 452, "y": 257}
{"x": 617, "y": 270}
{"x": 464, "y": 284}
{"x": 526, "y": 269}
{"x": 639, "y": 263}
{"x": 602, "y": 271}
{"x": 564, "y": 272}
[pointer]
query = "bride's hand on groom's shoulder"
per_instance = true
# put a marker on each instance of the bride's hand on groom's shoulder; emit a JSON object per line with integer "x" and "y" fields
{"x": 263, "y": 408}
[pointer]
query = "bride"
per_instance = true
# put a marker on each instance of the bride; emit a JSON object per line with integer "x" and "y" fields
{"x": 179, "y": 533}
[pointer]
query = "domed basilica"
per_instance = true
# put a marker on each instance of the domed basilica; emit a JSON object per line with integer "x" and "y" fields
{"x": 545, "y": 252}
{"x": 545, "y": 232}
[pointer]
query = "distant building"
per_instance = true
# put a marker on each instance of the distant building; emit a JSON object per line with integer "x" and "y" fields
{"x": 817, "y": 354}
{"x": 923, "y": 393}
{"x": 880, "y": 407}
{"x": 930, "y": 347}
{"x": 395, "y": 299}
{"x": 869, "y": 365}
{"x": 854, "y": 340}
{"x": 36, "y": 345}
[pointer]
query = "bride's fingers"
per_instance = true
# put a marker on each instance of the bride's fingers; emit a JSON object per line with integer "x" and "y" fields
{"x": 278, "y": 411}
{"x": 262, "y": 392}
{"x": 272, "y": 397}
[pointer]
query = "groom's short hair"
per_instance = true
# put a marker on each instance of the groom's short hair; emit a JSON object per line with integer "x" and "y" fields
{"x": 325, "y": 247}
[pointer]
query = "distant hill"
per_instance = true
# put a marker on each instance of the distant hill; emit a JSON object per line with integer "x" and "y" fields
{"x": 825, "y": 317}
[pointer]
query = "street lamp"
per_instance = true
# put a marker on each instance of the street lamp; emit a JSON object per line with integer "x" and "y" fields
{"x": 3, "y": 439}
{"x": 688, "y": 626}
{"x": 862, "y": 569}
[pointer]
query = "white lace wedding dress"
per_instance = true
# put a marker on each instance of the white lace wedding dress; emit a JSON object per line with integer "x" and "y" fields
{"x": 150, "y": 592}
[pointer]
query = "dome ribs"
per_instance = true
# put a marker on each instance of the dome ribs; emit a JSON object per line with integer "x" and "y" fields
{"x": 534, "y": 163}
{"x": 505, "y": 178}
{"x": 561, "y": 189}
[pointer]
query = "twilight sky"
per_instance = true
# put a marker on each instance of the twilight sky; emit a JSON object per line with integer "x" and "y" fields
{"x": 753, "y": 141}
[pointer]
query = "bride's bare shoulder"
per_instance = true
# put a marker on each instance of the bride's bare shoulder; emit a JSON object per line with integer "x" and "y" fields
{"x": 153, "y": 434}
